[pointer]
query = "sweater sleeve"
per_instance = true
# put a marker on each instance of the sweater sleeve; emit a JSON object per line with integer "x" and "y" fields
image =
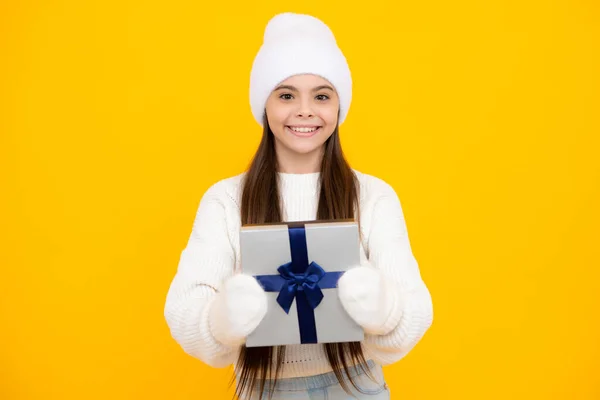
{"x": 390, "y": 252}
{"x": 206, "y": 261}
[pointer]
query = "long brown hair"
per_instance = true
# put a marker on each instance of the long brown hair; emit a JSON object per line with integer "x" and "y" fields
{"x": 338, "y": 199}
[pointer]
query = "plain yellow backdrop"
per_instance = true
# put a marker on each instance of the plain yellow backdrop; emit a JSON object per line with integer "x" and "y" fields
{"x": 116, "y": 116}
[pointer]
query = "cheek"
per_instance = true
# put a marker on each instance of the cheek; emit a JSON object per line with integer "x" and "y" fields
{"x": 277, "y": 120}
{"x": 277, "y": 115}
{"x": 329, "y": 115}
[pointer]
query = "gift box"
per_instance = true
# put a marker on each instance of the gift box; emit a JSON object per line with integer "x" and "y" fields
{"x": 298, "y": 264}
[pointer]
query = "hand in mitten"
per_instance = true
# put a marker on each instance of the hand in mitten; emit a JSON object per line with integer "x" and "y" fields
{"x": 237, "y": 309}
{"x": 370, "y": 299}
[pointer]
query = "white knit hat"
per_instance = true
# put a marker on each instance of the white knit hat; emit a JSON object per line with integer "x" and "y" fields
{"x": 298, "y": 44}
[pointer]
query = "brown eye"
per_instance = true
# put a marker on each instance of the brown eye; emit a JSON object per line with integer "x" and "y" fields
{"x": 322, "y": 97}
{"x": 284, "y": 96}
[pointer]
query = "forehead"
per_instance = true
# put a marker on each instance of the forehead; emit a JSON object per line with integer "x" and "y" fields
{"x": 305, "y": 81}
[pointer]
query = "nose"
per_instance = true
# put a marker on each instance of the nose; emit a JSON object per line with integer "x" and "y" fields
{"x": 304, "y": 109}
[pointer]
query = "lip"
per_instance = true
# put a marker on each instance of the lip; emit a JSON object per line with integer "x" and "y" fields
{"x": 304, "y": 134}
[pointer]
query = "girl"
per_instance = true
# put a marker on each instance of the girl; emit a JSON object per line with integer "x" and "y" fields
{"x": 300, "y": 92}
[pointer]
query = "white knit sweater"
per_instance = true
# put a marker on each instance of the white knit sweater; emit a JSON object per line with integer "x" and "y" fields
{"x": 212, "y": 255}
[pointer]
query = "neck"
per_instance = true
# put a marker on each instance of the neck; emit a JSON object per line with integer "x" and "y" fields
{"x": 298, "y": 163}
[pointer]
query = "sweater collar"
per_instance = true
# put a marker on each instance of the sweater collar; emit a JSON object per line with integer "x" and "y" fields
{"x": 298, "y": 183}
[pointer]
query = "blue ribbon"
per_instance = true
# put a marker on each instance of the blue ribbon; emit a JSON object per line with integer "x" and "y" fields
{"x": 301, "y": 281}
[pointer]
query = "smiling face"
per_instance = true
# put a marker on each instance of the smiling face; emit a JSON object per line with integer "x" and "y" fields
{"x": 302, "y": 112}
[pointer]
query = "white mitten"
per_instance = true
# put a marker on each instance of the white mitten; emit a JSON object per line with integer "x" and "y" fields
{"x": 370, "y": 299}
{"x": 237, "y": 309}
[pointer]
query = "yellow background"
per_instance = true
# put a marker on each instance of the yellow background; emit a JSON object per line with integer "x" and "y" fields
{"x": 115, "y": 116}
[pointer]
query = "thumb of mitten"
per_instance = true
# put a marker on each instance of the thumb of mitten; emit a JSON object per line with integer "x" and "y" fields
{"x": 237, "y": 310}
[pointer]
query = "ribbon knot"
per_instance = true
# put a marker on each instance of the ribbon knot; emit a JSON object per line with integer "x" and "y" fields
{"x": 307, "y": 283}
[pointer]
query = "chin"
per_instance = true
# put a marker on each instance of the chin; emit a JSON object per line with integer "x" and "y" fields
{"x": 305, "y": 151}
{"x": 302, "y": 149}
{"x": 304, "y": 146}
{"x": 300, "y": 145}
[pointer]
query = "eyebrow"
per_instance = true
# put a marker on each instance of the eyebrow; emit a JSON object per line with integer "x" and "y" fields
{"x": 293, "y": 89}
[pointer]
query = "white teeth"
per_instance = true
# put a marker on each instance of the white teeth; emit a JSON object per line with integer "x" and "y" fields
{"x": 303, "y": 130}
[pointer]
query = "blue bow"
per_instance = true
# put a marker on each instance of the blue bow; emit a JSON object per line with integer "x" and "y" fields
{"x": 301, "y": 281}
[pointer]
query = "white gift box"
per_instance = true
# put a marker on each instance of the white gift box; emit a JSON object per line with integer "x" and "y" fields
{"x": 298, "y": 264}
